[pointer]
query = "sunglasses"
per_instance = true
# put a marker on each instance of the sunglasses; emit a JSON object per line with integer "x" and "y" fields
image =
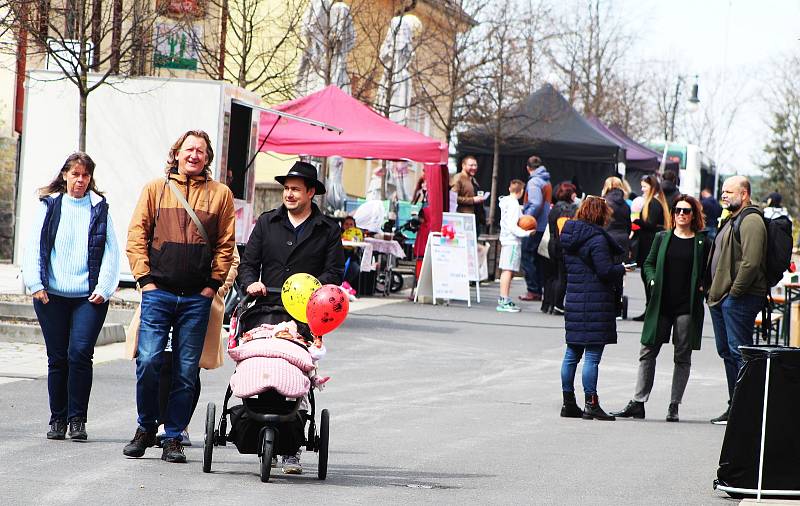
{"x": 683, "y": 210}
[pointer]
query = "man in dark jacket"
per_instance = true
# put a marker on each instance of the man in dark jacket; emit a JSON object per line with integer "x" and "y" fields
{"x": 670, "y": 185}
{"x": 712, "y": 210}
{"x": 539, "y": 193}
{"x": 294, "y": 238}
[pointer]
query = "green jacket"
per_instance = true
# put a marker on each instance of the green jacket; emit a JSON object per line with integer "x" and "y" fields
{"x": 741, "y": 268}
{"x": 654, "y": 276}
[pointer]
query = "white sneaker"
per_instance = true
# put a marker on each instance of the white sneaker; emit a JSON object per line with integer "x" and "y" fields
{"x": 185, "y": 441}
{"x": 291, "y": 464}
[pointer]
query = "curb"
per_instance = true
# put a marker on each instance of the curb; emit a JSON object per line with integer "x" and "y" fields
{"x": 22, "y": 333}
{"x": 18, "y": 310}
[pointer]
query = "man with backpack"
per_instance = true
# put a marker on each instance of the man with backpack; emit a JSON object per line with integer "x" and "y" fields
{"x": 738, "y": 278}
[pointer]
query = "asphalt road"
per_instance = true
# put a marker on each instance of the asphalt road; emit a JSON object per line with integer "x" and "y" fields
{"x": 429, "y": 405}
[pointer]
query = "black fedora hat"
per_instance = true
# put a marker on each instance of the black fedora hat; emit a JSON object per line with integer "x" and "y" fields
{"x": 307, "y": 172}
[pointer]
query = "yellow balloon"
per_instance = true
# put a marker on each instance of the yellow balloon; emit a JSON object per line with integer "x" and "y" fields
{"x": 295, "y": 294}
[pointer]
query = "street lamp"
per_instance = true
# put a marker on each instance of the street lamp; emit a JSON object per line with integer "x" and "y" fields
{"x": 694, "y": 101}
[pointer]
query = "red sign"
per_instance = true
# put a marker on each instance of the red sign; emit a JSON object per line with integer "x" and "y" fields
{"x": 181, "y": 8}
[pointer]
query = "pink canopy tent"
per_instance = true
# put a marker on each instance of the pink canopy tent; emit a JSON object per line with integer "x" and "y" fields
{"x": 366, "y": 134}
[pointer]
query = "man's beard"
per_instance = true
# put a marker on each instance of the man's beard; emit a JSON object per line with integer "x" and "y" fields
{"x": 734, "y": 206}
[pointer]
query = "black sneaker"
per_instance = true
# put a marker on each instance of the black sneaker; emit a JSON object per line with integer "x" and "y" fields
{"x": 721, "y": 419}
{"x": 173, "y": 451}
{"x": 58, "y": 430}
{"x": 140, "y": 442}
{"x": 77, "y": 430}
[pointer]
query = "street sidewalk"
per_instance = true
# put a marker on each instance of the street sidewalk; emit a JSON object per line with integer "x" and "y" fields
{"x": 26, "y": 361}
{"x": 11, "y": 279}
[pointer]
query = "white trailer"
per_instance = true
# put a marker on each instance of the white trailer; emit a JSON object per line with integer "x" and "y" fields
{"x": 129, "y": 130}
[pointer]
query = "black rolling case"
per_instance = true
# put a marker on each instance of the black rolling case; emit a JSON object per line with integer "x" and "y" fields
{"x": 743, "y": 469}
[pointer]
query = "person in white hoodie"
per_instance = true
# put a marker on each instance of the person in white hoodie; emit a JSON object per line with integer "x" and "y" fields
{"x": 511, "y": 235}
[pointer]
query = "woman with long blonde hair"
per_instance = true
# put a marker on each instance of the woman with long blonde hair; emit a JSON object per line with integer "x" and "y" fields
{"x": 655, "y": 218}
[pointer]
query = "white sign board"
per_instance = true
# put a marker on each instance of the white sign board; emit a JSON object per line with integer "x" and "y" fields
{"x": 442, "y": 275}
{"x": 464, "y": 223}
{"x": 65, "y": 54}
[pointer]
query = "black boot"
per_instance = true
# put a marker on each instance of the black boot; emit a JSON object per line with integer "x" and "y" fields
{"x": 570, "y": 408}
{"x": 634, "y": 409}
{"x": 592, "y": 410}
{"x": 672, "y": 412}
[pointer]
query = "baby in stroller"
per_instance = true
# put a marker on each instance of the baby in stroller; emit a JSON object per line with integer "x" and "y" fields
{"x": 276, "y": 364}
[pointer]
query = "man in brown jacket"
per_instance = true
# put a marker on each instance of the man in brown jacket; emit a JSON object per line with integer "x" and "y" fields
{"x": 469, "y": 196}
{"x": 179, "y": 267}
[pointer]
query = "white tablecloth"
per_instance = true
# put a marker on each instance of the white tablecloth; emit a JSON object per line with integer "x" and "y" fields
{"x": 384, "y": 246}
{"x": 366, "y": 253}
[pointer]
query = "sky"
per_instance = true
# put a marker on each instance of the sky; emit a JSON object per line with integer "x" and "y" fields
{"x": 734, "y": 66}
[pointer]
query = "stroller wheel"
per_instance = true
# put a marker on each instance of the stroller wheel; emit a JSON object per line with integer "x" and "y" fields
{"x": 208, "y": 444}
{"x": 266, "y": 453}
{"x": 397, "y": 282}
{"x": 322, "y": 444}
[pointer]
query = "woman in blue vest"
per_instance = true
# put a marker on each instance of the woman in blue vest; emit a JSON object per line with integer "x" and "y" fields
{"x": 71, "y": 266}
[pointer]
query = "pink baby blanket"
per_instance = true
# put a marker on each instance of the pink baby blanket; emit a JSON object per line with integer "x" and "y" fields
{"x": 273, "y": 363}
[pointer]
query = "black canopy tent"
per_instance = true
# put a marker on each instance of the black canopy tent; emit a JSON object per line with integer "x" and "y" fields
{"x": 545, "y": 125}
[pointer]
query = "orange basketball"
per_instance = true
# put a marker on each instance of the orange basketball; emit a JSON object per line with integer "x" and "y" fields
{"x": 527, "y": 222}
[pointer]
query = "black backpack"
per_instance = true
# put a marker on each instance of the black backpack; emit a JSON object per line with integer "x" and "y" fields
{"x": 779, "y": 243}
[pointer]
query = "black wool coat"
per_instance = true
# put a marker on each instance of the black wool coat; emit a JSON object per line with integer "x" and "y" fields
{"x": 273, "y": 253}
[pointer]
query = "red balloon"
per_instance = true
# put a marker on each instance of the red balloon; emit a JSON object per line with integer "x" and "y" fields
{"x": 326, "y": 309}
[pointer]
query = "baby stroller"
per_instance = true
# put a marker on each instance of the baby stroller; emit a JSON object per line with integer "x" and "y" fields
{"x": 255, "y": 424}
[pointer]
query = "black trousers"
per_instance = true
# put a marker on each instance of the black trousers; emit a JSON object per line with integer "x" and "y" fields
{"x": 165, "y": 384}
{"x": 549, "y": 282}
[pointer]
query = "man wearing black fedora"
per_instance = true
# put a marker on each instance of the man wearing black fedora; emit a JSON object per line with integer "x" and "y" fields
{"x": 294, "y": 238}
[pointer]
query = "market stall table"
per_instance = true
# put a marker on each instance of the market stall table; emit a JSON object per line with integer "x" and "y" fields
{"x": 392, "y": 250}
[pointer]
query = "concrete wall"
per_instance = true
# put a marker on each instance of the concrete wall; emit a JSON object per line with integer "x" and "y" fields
{"x": 268, "y": 196}
{"x": 8, "y": 196}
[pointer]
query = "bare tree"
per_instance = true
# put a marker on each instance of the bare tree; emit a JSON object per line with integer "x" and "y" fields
{"x": 667, "y": 91}
{"x": 498, "y": 90}
{"x": 589, "y": 56}
{"x": 448, "y": 93}
{"x": 389, "y": 72}
{"x": 252, "y": 44}
{"x": 782, "y": 150}
{"x": 110, "y": 39}
{"x": 712, "y": 125}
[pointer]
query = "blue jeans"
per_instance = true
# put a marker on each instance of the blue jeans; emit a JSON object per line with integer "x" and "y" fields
{"x": 70, "y": 326}
{"x": 187, "y": 315}
{"x": 733, "y": 321}
{"x": 530, "y": 262}
{"x": 594, "y": 352}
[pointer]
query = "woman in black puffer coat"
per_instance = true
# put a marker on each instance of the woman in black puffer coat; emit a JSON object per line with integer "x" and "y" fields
{"x": 619, "y": 227}
{"x": 593, "y": 280}
{"x": 555, "y": 287}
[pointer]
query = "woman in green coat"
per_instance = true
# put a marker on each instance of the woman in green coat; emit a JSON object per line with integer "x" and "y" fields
{"x": 674, "y": 276}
